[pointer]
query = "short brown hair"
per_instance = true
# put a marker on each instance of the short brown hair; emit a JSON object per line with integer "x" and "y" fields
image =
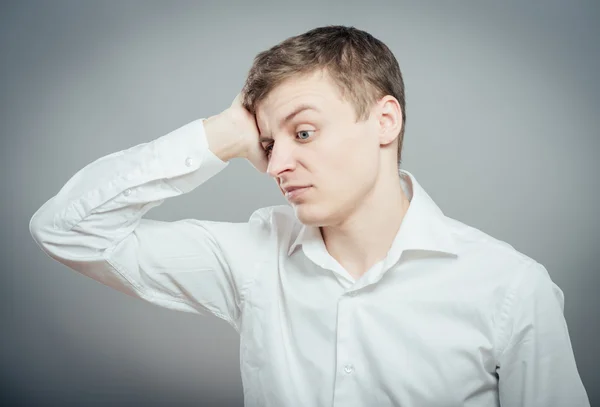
{"x": 361, "y": 66}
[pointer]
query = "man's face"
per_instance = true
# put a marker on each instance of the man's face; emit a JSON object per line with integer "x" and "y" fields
{"x": 321, "y": 147}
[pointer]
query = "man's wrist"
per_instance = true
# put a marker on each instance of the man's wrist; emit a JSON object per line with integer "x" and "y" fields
{"x": 219, "y": 138}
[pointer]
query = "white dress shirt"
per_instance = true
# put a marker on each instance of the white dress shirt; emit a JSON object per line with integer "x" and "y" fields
{"x": 450, "y": 317}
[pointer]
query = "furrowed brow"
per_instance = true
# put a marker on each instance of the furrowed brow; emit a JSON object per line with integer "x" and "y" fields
{"x": 299, "y": 109}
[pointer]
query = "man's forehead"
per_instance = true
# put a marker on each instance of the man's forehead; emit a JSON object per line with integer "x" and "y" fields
{"x": 279, "y": 112}
{"x": 276, "y": 108}
{"x": 299, "y": 89}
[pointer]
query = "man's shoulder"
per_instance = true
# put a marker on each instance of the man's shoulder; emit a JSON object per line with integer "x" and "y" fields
{"x": 280, "y": 220}
{"x": 496, "y": 267}
{"x": 491, "y": 253}
{"x": 275, "y": 215}
{"x": 278, "y": 224}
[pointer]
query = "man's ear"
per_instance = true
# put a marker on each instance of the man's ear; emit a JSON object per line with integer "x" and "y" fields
{"x": 389, "y": 119}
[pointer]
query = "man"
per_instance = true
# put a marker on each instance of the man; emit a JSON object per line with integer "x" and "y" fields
{"x": 361, "y": 292}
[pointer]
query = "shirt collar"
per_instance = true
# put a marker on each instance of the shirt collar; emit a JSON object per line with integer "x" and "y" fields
{"x": 424, "y": 226}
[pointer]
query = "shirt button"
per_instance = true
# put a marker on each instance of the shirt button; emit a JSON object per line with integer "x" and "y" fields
{"x": 348, "y": 369}
{"x": 127, "y": 192}
{"x": 189, "y": 161}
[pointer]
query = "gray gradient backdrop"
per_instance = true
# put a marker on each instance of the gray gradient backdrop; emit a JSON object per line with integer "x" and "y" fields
{"x": 503, "y": 119}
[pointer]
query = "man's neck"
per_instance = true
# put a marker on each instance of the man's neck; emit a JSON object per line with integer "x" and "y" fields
{"x": 365, "y": 237}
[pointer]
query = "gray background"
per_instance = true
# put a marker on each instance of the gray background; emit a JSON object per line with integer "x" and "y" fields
{"x": 502, "y": 130}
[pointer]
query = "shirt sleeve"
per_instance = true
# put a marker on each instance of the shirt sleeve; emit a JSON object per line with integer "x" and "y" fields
{"x": 95, "y": 226}
{"x": 536, "y": 367}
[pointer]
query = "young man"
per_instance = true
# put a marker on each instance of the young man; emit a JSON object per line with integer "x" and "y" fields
{"x": 361, "y": 292}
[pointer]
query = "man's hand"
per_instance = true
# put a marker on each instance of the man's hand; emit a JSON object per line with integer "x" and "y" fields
{"x": 233, "y": 133}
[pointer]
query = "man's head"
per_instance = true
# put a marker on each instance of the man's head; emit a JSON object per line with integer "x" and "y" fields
{"x": 347, "y": 140}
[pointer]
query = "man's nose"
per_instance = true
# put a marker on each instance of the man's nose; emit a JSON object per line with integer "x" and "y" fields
{"x": 282, "y": 159}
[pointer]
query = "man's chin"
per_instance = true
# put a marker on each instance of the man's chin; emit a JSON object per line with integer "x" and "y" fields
{"x": 310, "y": 215}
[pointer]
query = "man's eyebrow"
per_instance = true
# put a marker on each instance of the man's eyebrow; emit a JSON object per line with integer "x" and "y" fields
{"x": 290, "y": 116}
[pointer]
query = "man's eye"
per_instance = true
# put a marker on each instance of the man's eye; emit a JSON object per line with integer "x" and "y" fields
{"x": 304, "y": 134}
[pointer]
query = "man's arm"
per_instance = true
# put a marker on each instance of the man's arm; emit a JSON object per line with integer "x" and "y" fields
{"x": 95, "y": 224}
{"x": 536, "y": 365}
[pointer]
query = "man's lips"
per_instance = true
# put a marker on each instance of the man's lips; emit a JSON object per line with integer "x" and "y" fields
{"x": 292, "y": 192}
{"x": 290, "y": 188}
